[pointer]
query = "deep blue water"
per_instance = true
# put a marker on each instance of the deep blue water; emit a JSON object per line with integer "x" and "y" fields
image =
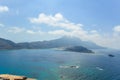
{"x": 44, "y": 64}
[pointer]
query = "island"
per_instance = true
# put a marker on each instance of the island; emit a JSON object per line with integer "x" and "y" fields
{"x": 80, "y": 49}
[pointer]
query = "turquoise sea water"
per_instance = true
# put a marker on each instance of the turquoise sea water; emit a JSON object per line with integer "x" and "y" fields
{"x": 44, "y": 64}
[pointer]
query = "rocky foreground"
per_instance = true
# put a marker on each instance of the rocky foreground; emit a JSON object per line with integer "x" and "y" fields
{"x": 14, "y": 77}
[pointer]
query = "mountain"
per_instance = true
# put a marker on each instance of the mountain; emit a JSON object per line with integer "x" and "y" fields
{"x": 61, "y": 42}
{"x": 56, "y": 43}
{"x": 73, "y": 41}
{"x": 7, "y": 44}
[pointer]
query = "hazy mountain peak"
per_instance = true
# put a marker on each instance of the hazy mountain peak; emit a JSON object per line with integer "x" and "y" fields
{"x": 70, "y": 38}
{"x": 75, "y": 41}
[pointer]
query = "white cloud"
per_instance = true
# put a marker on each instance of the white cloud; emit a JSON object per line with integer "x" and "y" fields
{"x": 58, "y": 32}
{"x": 20, "y": 30}
{"x": 47, "y": 19}
{"x": 117, "y": 28}
{"x": 56, "y": 21}
{"x": 67, "y": 27}
{"x": 30, "y": 32}
{"x": 4, "y": 9}
{"x": 93, "y": 31}
{"x": 35, "y": 32}
{"x": 16, "y": 29}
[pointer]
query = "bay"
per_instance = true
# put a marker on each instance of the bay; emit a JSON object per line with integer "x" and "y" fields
{"x": 44, "y": 64}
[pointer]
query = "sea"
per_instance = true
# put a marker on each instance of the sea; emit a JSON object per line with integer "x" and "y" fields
{"x": 52, "y": 64}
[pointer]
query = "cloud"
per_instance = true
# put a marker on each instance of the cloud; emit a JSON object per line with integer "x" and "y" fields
{"x": 117, "y": 28}
{"x": 16, "y": 29}
{"x": 56, "y": 21}
{"x": 4, "y": 9}
{"x": 58, "y": 32}
{"x": 30, "y": 32}
{"x": 66, "y": 27}
{"x": 47, "y": 19}
{"x": 93, "y": 31}
{"x": 35, "y": 32}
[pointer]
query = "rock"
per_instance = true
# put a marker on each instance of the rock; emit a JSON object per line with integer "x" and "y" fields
{"x": 74, "y": 66}
{"x": 69, "y": 66}
{"x": 111, "y": 55}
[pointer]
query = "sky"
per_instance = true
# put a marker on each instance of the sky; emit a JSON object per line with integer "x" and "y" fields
{"x": 36, "y": 20}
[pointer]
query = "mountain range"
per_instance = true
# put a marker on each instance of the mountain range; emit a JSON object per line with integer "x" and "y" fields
{"x": 56, "y": 43}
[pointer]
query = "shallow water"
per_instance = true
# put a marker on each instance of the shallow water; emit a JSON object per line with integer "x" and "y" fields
{"x": 44, "y": 64}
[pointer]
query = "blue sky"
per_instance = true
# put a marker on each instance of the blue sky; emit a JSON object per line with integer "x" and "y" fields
{"x": 33, "y": 20}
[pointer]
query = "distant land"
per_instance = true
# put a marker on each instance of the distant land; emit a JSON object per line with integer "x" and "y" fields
{"x": 78, "y": 49}
{"x": 56, "y": 43}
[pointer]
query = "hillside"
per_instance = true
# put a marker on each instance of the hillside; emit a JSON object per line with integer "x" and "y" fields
{"x": 61, "y": 42}
{"x": 7, "y": 44}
